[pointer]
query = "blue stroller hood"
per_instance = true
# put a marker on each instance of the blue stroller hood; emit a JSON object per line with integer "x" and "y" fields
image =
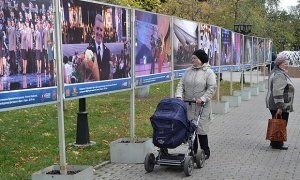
{"x": 170, "y": 123}
{"x": 172, "y": 109}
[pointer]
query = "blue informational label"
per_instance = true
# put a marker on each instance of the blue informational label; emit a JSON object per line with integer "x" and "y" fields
{"x": 152, "y": 79}
{"x": 247, "y": 66}
{"x": 215, "y": 69}
{"x": 29, "y": 97}
{"x": 236, "y": 68}
{"x": 226, "y": 68}
{"x": 178, "y": 73}
{"x": 86, "y": 89}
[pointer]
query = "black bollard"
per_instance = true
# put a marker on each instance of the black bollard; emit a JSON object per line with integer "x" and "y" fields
{"x": 219, "y": 74}
{"x": 82, "y": 134}
{"x": 242, "y": 74}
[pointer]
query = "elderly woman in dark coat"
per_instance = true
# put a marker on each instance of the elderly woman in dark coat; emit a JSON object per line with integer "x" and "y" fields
{"x": 280, "y": 94}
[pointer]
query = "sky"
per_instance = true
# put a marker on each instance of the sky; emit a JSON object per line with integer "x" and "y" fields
{"x": 284, "y": 4}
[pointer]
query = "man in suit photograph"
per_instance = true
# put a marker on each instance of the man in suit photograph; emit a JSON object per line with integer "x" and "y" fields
{"x": 12, "y": 40}
{"x": 98, "y": 48}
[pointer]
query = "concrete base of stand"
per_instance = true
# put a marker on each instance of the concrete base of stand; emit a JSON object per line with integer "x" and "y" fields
{"x": 266, "y": 83}
{"x": 262, "y": 86}
{"x": 245, "y": 94}
{"x": 253, "y": 90}
{"x": 221, "y": 107}
{"x": 234, "y": 101}
{"x": 123, "y": 151}
{"x": 76, "y": 172}
{"x": 143, "y": 91}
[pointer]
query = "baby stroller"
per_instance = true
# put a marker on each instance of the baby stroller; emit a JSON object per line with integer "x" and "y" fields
{"x": 171, "y": 128}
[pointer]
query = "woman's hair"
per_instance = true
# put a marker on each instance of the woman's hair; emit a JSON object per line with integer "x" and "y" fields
{"x": 281, "y": 58}
{"x": 201, "y": 55}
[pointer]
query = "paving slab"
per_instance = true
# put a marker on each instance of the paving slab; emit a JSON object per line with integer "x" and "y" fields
{"x": 238, "y": 149}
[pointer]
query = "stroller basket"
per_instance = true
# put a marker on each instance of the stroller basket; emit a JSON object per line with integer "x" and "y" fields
{"x": 170, "y": 123}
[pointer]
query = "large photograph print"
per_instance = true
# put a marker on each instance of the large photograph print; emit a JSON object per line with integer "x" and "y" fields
{"x": 26, "y": 45}
{"x": 214, "y": 55}
{"x": 96, "y": 48}
{"x": 248, "y": 50}
{"x": 95, "y": 42}
{"x": 206, "y": 40}
{"x": 268, "y": 51}
{"x": 255, "y": 52}
{"x": 27, "y": 63}
{"x": 236, "y": 49}
{"x": 153, "y": 44}
{"x": 209, "y": 37}
{"x": 260, "y": 50}
{"x": 226, "y": 47}
{"x": 185, "y": 41}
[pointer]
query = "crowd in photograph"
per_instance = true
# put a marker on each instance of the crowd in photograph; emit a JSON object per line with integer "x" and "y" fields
{"x": 183, "y": 54}
{"x": 83, "y": 33}
{"x": 26, "y": 37}
{"x": 78, "y": 23}
{"x": 209, "y": 44}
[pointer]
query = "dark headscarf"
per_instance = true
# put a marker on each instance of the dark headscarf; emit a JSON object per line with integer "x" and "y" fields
{"x": 201, "y": 55}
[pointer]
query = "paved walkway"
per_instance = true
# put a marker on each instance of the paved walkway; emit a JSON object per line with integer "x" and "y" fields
{"x": 238, "y": 148}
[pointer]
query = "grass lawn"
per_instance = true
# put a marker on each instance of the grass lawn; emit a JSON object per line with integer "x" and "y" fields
{"x": 29, "y": 137}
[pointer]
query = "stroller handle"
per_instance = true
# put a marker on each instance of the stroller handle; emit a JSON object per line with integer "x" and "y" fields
{"x": 194, "y": 101}
{"x": 201, "y": 105}
{"x": 190, "y": 101}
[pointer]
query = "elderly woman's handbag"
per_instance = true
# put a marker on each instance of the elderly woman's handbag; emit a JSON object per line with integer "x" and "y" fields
{"x": 277, "y": 129}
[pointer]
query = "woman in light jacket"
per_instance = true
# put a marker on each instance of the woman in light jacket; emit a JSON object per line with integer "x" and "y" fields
{"x": 280, "y": 94}
{"x": 199, "y": 83}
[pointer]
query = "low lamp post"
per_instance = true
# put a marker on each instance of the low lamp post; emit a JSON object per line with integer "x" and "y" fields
{"x": 243, "y": 29}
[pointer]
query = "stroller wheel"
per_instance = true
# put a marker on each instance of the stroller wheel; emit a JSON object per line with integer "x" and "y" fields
{"x": 200, "y": 158}
{"x": 149, "y": 162}
{"x": 188, "y": 165}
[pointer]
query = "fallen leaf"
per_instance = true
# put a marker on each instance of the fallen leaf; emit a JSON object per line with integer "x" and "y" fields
{"x": 75, "y": 152}
{"x": 46, "y": 134}
{"x": 105, "y": 142}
